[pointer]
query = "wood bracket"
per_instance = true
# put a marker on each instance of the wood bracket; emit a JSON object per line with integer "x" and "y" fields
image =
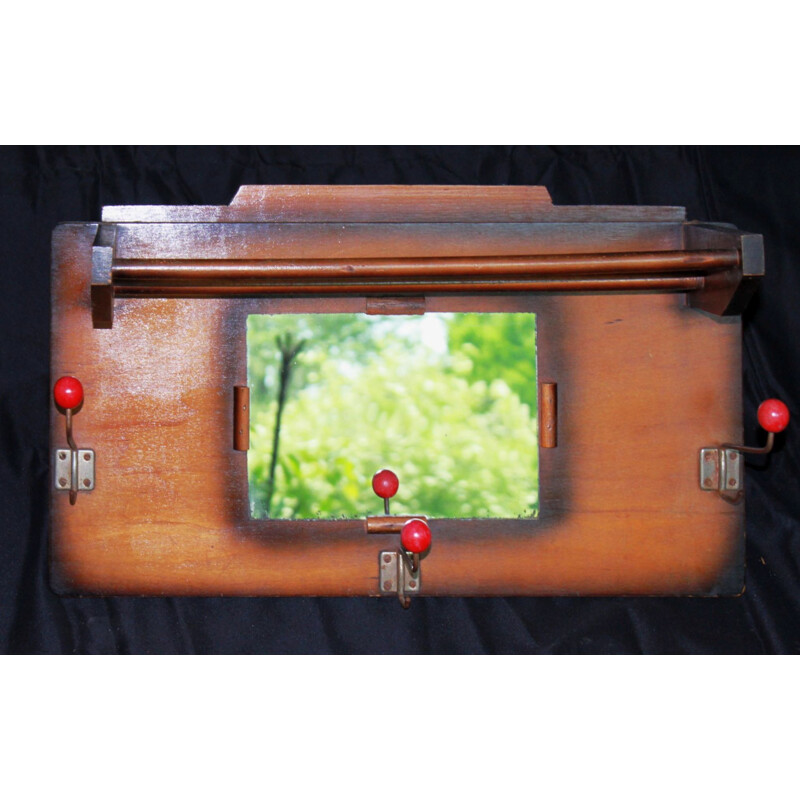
{"x": 727, "y": 292}
{"x": 102, "y": 291}
{"x": 395, "y": 305}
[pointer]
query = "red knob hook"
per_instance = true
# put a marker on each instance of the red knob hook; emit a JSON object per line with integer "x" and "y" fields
{"x": 385, "y": 484}
{"x": 773, "y": 415}
{"x": 415, "y": 536}
{"x": 68, "y": 393}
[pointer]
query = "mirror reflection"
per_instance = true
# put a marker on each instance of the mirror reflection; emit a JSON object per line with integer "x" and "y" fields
{"x": 447, "y": 401}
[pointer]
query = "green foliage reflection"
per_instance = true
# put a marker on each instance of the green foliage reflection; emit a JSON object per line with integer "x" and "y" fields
{"x": 448, "y": 401}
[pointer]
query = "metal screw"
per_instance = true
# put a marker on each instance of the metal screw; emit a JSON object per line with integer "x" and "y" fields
{"x": 62, "y": 481}
{"x": 387, "y": 586}
{"x": 732, "y": 482}
{"x": 87, "y": 483}
{"x": 62, "y": 456}
{"x": 412, "y": 584}
{"x": 734, "y": 455}
{"x": 387, "y": 559}
{"x": 87, "y": 457}
{"x": 707, "y": 482}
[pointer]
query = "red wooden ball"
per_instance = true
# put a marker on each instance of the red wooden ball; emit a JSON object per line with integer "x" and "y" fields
{"x": 385, "y": 483}
{"x": 773, "y": 415}
{"x": 68, "y": 392}
{"x": 415, "y": 536}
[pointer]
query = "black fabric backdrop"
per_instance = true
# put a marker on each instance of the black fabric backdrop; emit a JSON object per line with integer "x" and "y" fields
{"x": 757, "y": 189}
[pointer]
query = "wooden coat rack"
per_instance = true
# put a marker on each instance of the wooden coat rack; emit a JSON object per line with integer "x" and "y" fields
{"x": 639, "y": 365}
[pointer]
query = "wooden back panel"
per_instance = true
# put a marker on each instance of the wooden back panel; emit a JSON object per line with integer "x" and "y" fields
{"x": 644, "y": 382}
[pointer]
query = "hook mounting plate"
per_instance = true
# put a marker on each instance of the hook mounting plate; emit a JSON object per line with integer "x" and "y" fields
{"x": 721, "y": 471}
{"x": 392, "y": 571}
{"x": 63, "y": 470}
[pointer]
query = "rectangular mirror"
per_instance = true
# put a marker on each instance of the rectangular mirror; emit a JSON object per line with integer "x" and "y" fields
{"x": 446, "y": 400}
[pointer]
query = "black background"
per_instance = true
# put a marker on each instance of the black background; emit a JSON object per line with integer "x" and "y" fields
{"x": 757, "y": 189}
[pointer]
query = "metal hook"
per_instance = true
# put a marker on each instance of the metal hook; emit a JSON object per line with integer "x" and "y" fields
{"x": 73, "y": 470}
{"x": 399, "y": 569}
{"x": 410, "y": 562}
{"x": 754, "y": 450}
{"x": 722, "y": 468}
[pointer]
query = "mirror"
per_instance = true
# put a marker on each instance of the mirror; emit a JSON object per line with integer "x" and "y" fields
{"x": 446, "y": 400}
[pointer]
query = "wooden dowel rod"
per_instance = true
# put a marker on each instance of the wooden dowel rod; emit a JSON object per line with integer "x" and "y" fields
{"x": 686, "y": 283}
{"x": 198, "y": 273}
{"x": 390, "y": 524}
{"x": 548, "y": 415}
{"x": 241, "y": 418}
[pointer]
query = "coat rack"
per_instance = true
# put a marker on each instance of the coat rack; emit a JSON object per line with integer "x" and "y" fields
{"x": 637, "y": 331}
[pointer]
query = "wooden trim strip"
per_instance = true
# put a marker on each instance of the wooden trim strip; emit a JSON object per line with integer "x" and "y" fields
{"x": 415, "y": 203}
{"x": 407, "y": 306}
{"x": 292, "y": 241}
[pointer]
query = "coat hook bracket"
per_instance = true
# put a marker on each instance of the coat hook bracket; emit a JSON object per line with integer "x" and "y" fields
{"x": 397, "y": 576}
{"x": 74, "y": 470}
{"x": 722, "y": 468}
